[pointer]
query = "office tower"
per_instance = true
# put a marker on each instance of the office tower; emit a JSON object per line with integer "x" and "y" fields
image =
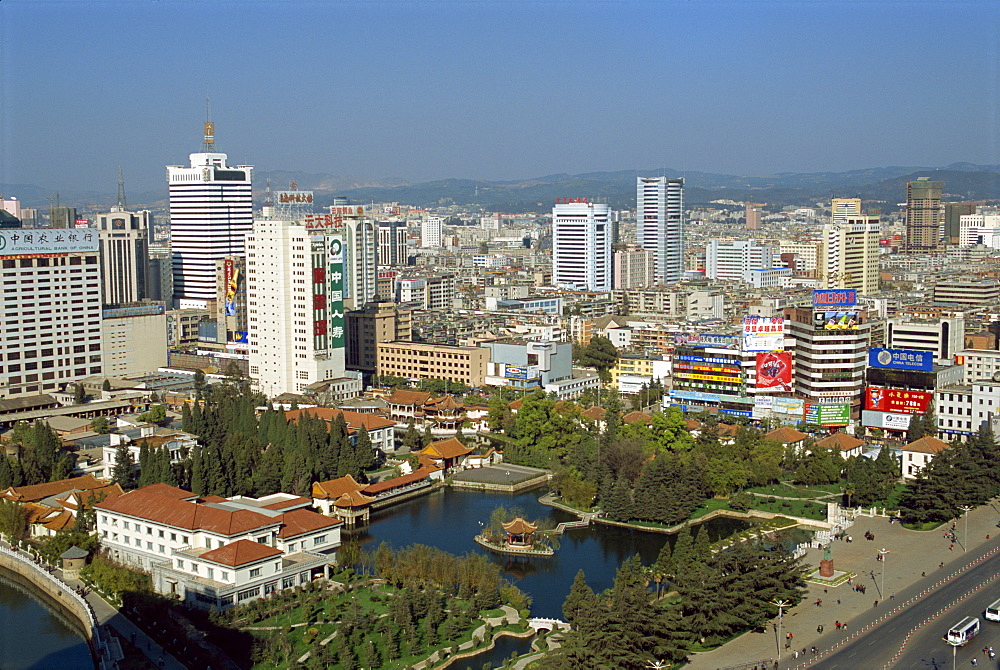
{"x": 361, "y": 264}
{"x": 211, "y": 212}
{"x": 392, "y": 244}
{"x": 752, "y": 215}
{"x": 848, "y": 254}
{"x": 295, "y": 288}
{"x": 160, "y": 276}
{"x": 923, "y": 214}
{"x": 62, "y": 217}
{"x": 953, "y": 213}
{"x": 50, "y": 330}
{"x": 124, "y": 238}
{"x": 581, "y": 246}
{"x": 368, "y": 327}
{"x": 978, "y": 228}
{"x": 737, "y": 260}
{"x": 660, "y": 225}
{"x": 843, "y": 208}
{"x": 430, "y": 231}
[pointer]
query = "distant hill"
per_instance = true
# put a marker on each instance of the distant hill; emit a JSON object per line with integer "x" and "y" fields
{"x": 962, "y": 181}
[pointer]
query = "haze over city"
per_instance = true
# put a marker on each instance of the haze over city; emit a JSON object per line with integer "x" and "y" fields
{"x": 420, "y": 91}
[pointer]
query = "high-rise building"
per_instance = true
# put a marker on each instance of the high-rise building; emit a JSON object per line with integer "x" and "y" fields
{"x": 124, "y": 240}
{"x": 737, "y": 260}
{"x": 633, "y": 268}
{"x": 953, "y": 213}
{"x": 392, "y": 243}
{"x": 361, "y": 264}
{"x": 581, "y": 246}
{"x": 211, "y": 213}
{"x": 660, "y": 225}
{"x": 753, "y": 215}
{"x": 295, "y": 322}
{"x": 50, "y": 324}
{"x": 843, "y": 208}
{"x": 61, "y": 216}
{"x": 367, "y": 328}
{"x": 923, "y": 214}
{"x": 848, "y": 254}
{"x": 430, "y": 232}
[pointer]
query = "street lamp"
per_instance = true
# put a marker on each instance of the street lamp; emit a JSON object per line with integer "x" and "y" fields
{"x": 965, "y": 545}
{"x": 781, "y": 605}
{"x": 883, "y": 552}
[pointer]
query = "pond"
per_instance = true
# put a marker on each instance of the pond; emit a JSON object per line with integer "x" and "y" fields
{"x": 449, "y": 519}
{"x": 34, "y": 634}
{"x": 502, "y": 649}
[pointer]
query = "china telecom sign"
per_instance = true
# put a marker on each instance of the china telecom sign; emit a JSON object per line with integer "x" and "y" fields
{"x": 901, "y": 359}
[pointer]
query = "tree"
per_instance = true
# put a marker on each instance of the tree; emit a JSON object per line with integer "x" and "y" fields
{"x": 106, "y": 386}
{"x": 100, "y": 424}
{"x": 916, "y": 429}
{"x": 199, "y": 386}
{"x": 13, "y": 519}
{"x": 601, "y": 355}
{"x": 79, "y": 395}
{"x": 123, "y": 472}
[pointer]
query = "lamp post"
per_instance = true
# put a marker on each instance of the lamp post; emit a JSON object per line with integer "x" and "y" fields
{"x": 883, "y": 552}
{"x": 781, "y": 605}
{"x": 966, "y": 509}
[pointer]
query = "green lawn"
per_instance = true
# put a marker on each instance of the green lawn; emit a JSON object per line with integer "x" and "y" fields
{"x": 710, "y": 506}
{"x": 801, "y": 508}
{"x": 787, "y": 490}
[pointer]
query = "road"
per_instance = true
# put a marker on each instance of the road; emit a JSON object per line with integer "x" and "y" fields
{"x": 878, "y": 646}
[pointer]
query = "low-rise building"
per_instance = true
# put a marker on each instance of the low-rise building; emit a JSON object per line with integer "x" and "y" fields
{"x": 416, "y": 360}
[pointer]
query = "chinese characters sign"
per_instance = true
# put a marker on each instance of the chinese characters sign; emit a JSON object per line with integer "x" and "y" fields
{"x": 774, "y": 370}
{"x": 763, "y": 333}
{"x": 896, "y": 400}
{"x": 52, "y": 241}
{"x": 335, "y": 290}
{"x": 839, "y": 297}
{"x": 901, "y": 359}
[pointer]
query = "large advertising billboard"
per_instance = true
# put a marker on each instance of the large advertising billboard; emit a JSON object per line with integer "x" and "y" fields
{"x": 706, "y": 340}
{"x": 51, "y": 241}
{"x": 835, "y": 297}
{"x": 885, "y": 420}
{"x": 232, "y": 278}
{"x": 511, "y": 372}
{"x": 774, "y": 371}
{"x": 763, "y": 333}
{"x": 898, "y": 401}
{"x": 335, "y": 291}
{"x": 841, "y": 320}
{"x": 901, "y": 359}
{"x": 828, "y": 415}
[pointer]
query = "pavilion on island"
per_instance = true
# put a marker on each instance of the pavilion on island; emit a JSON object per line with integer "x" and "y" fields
{"x": 519, "y": 532}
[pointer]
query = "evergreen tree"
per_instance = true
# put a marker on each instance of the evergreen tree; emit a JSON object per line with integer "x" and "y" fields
{"x": 79, "y": 395}
{"x": 6, "y": 472}
{"x": 123, "y": 472}
{"x": 187, "y": 424}
{"x": 198, "y": 484}
{"x": 411, "y": 439}
{"x": 581, "y": 603}
{"x": 146, "y": 475}
{"x": 916, "y": 429}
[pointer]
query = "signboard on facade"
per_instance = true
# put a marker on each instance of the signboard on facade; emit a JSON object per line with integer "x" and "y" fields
{"x": 51, "y": 241}
{"x": 774, "y": 370}
{"x": 795, "y": 406}
{"x": 138, "y": 310}
{"x": 828, "y": 415}
{"x": 695, "y": 395}
{"x": 231, "y": 277}
{"x": 323, "y": 222}
{"x": 763, "y": 333}
{"x": 335, "y": 290}
{"x": 886, "y": 420}
{"x": 835, "y": 297}
{"x": 706, "y": 378}
{"x": 293, "y": 197}
{"x": 896, "y": 400}
{"x": 841, "y": 320}
{"x": 347, "y": 210}
{"x": 511, "y": 372}
{"x": 706, "y": 340}
{"x": 708, "y": 359}
{"x": 901, "y": 359}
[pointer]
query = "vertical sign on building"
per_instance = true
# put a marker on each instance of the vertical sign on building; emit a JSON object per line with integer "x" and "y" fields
{"x": 231, "y": 280}
{"x": 335, "y": 295}
{"x": 319, "y": 293}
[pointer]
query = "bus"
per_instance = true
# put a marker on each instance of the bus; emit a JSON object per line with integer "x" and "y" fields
{"x": 963, "y": 631}
{"x": 993, "y": 611}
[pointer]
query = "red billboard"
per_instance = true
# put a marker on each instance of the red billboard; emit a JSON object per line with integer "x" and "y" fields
{"x": 896, "y": 400}
{"x": 774, "y": 370}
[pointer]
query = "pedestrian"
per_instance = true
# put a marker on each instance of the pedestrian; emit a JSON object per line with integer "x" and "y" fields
{"x": 837, "y": 624}
{"x": 975, "y": 663}
{"x": 838, "y": 601}
{"x": 796, "y": 653}
{"x": 876, "y": 604}
{"x": 923, "y": 573}
{"x": 892, "y": 596}
{"x": 843, "y": 627}
{"x": 951, "y": 547}
{"x": 941, "y": 565}
{"x": 819, "y": 629}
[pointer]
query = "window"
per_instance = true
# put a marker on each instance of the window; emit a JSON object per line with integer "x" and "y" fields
{"x": 162, "y": 549}
{"x": 255, "y": 573}
{"x": 211, "y": 573}
{"x": 224, "y": 575}
{"x": 194, "y": 568}
{"x": 180, "y": 564}
{"x": 321, "y": 539}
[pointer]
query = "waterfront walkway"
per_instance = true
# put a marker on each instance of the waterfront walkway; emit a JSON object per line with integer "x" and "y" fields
{"x": 510, "y": 615}
{"x": 912, "y": 562}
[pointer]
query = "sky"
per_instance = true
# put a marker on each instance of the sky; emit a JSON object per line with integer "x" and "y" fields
{"x": 493, "y": 90}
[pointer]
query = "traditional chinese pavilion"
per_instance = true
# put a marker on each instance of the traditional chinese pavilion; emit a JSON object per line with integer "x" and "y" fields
{"x": 519, "y": 532}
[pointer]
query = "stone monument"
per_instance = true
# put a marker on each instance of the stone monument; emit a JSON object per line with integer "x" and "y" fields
{"x": 826, "y": 565}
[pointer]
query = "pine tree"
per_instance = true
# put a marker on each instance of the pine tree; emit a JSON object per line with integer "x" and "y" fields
{"x": 6, "y": 472}
{"x": 146, "y": 476}
{"x": 123, "y": 472}
{"x": 198, "y": 486}
{"x": 581, "y": 602}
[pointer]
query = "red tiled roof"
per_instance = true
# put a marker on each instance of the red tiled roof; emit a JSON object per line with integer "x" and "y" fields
{"x": 168, "y": 491}
{"x": 595, "y": 413}
{"x": 61, "y": 522}
{"x": 240, "y": 553}
{"x": 403, "y": 397}
{"x": 389, "y": 484}
{"x": 692, "y": 424}
{"x": 301, "y": 521}
{"x": 354, "y": 420}
{"x": 926, "y": 445}
{"x": 636, "y": 417}
{"x": 450, "y": 448}
{"x": 40, "y": 491}
{"x": 334, "y": 488}
{"x": 785, "y": 435}
{"x": 169, "y": 511}
{"x": 288, "y": 502}
{"x": 841, "y": 441}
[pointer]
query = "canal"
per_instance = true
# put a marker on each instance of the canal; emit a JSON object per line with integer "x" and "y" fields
{"x": 449, "y": 519}
{"x": 36, "y": 635}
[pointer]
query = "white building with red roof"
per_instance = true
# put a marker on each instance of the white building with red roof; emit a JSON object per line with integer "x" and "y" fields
{"x": 217, "y": 551}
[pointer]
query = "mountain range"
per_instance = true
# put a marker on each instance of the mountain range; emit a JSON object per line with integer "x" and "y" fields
{"x": 883, "y": 186}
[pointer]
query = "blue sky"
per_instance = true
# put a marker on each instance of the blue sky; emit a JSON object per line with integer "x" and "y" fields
{"x": 493, "y": 90}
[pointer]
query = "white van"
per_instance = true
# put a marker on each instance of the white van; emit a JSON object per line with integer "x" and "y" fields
{"x": 993, "y": 611}
{"x": 963, "y": 631}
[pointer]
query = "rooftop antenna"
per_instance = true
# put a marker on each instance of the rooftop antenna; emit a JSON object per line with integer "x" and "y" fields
{"x": 209, "y": 145}
{"x": 268, "y": 196}
{"x": 121, "y": 206}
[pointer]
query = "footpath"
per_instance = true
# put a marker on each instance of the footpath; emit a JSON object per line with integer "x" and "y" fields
{"x": 914, "y": 560}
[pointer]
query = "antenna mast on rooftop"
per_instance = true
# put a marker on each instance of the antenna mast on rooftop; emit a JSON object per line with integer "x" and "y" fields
{"x": 121, "y": 206}
{"x": 209, "y": 145}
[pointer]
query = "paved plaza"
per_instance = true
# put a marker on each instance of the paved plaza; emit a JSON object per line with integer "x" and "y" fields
{"x": 503, "y": 474}
{"x": 914, "y": 559}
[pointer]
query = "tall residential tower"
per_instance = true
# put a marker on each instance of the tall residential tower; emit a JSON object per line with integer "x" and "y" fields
{"x": 581, "y": 246}
{"x": 923, "y": 214}
{"x": 660, "y": 225}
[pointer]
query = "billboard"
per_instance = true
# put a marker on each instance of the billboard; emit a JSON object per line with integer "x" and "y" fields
{"x": 885, "y": 420}
{"x": 898, "y": 401}
{"x": 51, "y": 241}
{"x": 696, "y": 395}
{"x": 794, "y": 406}
{"x": 841, "y": 320}
{"x": 511, "y": 372}
{"x": 774, "y": 370}
{"x": 828, "y": 415}
{"x": 335, "y": 292}
{"x": 901, "y": 359}
{"x": 706, "y": 378}
{"x": 232, "y": 277}
{"x": 835, "y": 297}
{"x": 293, "y": 197}
{"x": 763, "y": 333}
{"x": 708, "y": 359}
{"x": 706, "y": 340}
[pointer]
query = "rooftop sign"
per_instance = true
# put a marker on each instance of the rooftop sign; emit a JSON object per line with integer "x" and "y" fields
{"x": 835, "y": 297}
{"x": 50, "y": 241}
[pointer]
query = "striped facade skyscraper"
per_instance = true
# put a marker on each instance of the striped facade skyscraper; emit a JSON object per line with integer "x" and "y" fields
{"x": 660, "y": 225}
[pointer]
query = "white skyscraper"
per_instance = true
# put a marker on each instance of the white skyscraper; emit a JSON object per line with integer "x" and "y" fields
{"x": 430, "y": 231}
{"x": 295, "y": 285}
{"x": 361, "y": 264}
{"x": 581, "y": 246}
{"x": 848, "y": 254}
{"x": 660, "y": 225}
{"x": 211, "y": 213}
